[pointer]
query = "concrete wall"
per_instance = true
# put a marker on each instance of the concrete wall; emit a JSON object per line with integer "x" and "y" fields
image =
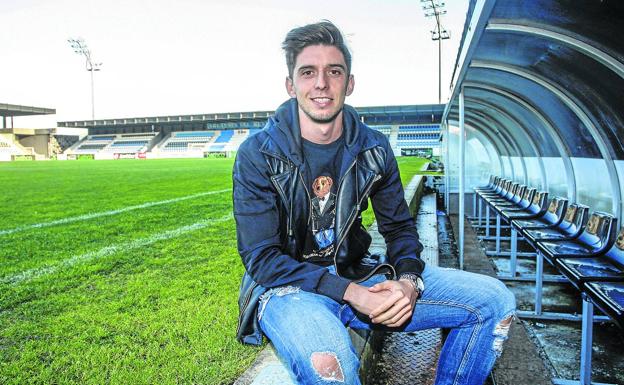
{"x": 38, "y": 142}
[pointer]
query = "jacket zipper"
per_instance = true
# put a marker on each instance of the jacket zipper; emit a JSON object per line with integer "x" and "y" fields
{"x": 309, "y": 199}
{"x": 357, "y": 209}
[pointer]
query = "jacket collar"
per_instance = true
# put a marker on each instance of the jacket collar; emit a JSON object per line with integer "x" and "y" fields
{"x": 283, "y": 128}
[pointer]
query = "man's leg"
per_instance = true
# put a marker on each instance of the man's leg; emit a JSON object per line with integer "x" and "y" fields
{"x": 478, "y": 309}
{"x": 307, "y": 332}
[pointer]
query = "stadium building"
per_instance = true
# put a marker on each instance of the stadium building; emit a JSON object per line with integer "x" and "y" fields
{"x": 30, "y": 143}
{"x": 411, "y": 129}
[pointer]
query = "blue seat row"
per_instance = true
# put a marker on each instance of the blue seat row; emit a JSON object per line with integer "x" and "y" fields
{"x": 586, "y": 249}
{"x": 192, "y": 134}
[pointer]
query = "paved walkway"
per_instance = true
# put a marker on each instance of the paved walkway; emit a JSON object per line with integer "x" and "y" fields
{"x": 521, "y": 361}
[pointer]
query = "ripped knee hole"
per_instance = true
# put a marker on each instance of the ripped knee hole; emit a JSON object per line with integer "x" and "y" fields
{"x": 327, "y": 366}
{"x": 500, "y": 333}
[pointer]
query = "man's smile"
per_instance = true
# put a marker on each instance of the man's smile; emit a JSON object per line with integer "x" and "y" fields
{"x": 322, "y": 101}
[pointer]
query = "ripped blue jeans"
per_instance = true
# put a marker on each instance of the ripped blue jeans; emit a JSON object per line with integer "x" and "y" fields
{"x": 308, "y": 330}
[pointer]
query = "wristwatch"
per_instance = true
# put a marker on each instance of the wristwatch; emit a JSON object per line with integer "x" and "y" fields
{"x": 416, "y": 281}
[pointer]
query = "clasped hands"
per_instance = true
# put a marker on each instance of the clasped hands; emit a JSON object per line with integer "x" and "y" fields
{"x": 389, "y": 303}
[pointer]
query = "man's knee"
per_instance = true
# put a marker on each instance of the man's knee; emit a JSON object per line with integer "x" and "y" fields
{"x": 501, "y": 330}
{"x": 500, "y": 300}
{"x": 506, "y": 306}
{"x": 327, "y": 366}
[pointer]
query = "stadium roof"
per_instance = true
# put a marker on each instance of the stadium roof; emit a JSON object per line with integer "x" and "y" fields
{"x": 431, "y": 113}
{"x": 17, "y": 110}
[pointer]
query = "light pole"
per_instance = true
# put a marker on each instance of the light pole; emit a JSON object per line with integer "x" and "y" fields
{"x": 433, "y": 8}
{"x": 80, "y": 47}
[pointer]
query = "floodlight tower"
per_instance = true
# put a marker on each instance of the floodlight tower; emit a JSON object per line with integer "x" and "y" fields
{"x": 433, "y": 8}
{"x": 80, "y": 47}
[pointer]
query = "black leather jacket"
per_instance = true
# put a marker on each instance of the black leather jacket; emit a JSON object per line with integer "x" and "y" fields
{"x": 271, "y": 208}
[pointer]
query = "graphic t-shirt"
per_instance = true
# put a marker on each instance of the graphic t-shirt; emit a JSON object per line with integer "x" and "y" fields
{"x": 323, "y": 164}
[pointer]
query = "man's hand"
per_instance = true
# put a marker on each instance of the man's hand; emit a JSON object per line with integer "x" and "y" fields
{"x": 363, "y": 300}
{"x": 398, "y": 306}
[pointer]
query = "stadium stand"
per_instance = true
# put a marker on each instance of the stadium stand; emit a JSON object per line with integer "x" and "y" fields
{"x": 225, "y": 136}
{"x": 60, "y": 143}
{"x": 222, "y": 133}
{"x": 204, "y": 141}
{"x": 185, "y": 141}
{"x": 236, "y": 139}
{"x": 107, "y": 145}
{"x": 418, "y": 136}
{"x": 386, "y": 130}
{"x": 120, "y": 143}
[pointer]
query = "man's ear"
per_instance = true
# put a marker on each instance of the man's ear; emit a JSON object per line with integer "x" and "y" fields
{"x": 290, "y": 87}
{"x": 350, "y": 85}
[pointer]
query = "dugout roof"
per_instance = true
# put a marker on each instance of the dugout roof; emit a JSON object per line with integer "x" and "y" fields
{"x": 544, "y": 79}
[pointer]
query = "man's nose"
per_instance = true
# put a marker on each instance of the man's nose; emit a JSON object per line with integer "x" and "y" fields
{"x": 321, "y": 80}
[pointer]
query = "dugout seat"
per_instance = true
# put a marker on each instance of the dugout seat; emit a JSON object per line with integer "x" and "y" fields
{"x": 570, "y": 227}
{"x": 606, "y": 267}
{"x": 598, "y": 236}
{"x": 537, "y": 209}
{"x": 551, "y": 219}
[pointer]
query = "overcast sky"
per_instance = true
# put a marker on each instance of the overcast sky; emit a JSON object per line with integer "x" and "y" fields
{"x": 174, "y": 57}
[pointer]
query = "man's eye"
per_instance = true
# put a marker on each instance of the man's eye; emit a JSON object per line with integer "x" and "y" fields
{"x": 335, "y": 72}
{"x": 307, "y": 73}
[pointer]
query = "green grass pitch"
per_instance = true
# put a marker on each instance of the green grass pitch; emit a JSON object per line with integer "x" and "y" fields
{"x": 122, "y": 272}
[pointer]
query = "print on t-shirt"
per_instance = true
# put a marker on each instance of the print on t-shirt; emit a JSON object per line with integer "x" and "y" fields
{"x": 322, "y": 218}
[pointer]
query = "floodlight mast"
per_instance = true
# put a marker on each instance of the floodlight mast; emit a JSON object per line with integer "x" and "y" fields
{"x": 80, "y": 47}
{"x": 433, "y": 8}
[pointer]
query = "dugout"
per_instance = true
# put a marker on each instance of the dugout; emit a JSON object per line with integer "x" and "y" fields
{"x": 533, "y": 133}
{"x": 538, "y": 95}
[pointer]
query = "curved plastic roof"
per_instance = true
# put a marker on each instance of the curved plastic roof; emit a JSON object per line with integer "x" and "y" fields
{"x": 545, "y": 78}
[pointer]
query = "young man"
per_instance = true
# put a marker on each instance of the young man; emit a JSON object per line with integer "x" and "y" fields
{"x": 300, "y": 186}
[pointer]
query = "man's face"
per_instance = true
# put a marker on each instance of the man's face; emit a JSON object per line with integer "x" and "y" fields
{"x": 320, "y": 82}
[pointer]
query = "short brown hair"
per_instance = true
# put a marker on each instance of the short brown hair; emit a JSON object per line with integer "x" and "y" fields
{"x": 321, "y": 33}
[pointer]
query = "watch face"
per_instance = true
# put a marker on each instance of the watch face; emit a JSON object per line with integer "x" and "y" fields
{"x": 420, "y": 284}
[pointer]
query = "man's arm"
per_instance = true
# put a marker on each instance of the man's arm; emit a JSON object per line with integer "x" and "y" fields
{"x": 395, "y": 222}
{"x": 397, "y": 226}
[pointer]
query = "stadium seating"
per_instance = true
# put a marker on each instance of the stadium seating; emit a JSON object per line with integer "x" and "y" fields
{"x": 204, "y": 141}
{"x": 225, "y": 136}
{"x": 191, "y": 143}
{"x": 127, "y": 146}
{"x": 418, "y": 136}
{"x": 586, "y": 252}
{"x": 119, "y": 143}
{"x": 184, "y": 141}
{"x": 386, "y": 130}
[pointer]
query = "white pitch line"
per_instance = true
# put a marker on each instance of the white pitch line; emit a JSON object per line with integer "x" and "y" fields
{"x": 31, "y": 274}
{"x": 107, "y": 213}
